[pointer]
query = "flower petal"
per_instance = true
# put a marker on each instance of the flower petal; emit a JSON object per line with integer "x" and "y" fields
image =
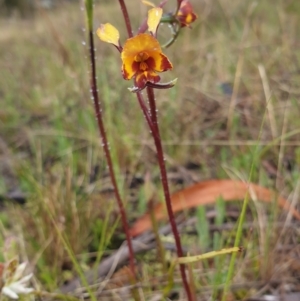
{"x": 158, "y": 85}
{"x": 142, "y": 78}
{"x": 142, "y": 58}
{"x": 9, "y": 293}
{"x": 25, "y": 279}
{"x": 109, "y": 34}
{"x": 186, "y": 20}
{"x": 132, "y": 47}
{"x": 19, "y": 271}
{"x": 186, "y": 14}
{"x": 148, "y": 3}
{"x": 129, "y": 68}
{"x": 141, "y": 43}
{"x": 154, "y": 16}
{"x": 20, "y": 289}
{"x": 159, "y": 62}
{"x": 167, "y": 85}
{"x": 140, "y": 81}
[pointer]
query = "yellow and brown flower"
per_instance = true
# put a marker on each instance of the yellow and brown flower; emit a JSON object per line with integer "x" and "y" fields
{"x": 186, "y": 14}
{"x": 142, "y": 57}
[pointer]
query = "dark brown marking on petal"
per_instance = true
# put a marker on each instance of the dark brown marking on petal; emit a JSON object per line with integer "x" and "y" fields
{"x": 165, "y": 63}
{"x": 152, "y": 77}
{"x": 140, "y": 80}
{"x": 151, "y": 63}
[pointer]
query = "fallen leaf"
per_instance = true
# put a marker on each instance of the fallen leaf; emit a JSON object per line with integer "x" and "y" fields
{"x": 207, "y": 192}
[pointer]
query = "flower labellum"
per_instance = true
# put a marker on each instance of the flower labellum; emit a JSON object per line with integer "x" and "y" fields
{"x": 142, "y": 57}
{"x": 186, "y": 15}
{"x": 167, "y": 85}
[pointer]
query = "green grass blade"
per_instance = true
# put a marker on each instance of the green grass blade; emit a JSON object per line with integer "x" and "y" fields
{"x": 242, "y": 217}
{"x": 89, "y": 13}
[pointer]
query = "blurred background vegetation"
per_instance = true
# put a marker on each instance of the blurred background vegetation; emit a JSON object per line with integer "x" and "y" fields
{"x": 26, "y": 8}
{"x": 238, "y": 89}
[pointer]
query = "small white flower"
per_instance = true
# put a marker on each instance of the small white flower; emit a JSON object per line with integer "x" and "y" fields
{"x": 15, "y": 284}
{"x": 19, "y": 271}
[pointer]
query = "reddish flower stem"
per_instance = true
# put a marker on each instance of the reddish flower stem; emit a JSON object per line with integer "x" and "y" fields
{"x": 164, "y": 180}
{"x": 100, "y": 124}
{"x": 178, "y": 7}
{"x": 179, "y": 2}
{"x": 152, "y": 122}
{"x": 151, "y": 99}
{"x": 146, "y": 113}
{"x": 126, "y": 18}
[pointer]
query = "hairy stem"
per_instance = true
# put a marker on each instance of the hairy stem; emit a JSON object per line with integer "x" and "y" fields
{"x": 145, "y": 112}
{"x": 160, "y": 156}
{"x": 152, "y": 123}
{"x": 126, "y": 18}
{"x": 100, "y": 124}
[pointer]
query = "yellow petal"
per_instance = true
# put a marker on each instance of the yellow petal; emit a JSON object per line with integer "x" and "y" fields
{"x": 160, "y": 61}
{"x": 141, "y": 43}
{"x": 109, "y": 34}
{"x": 129, "y": 68}
{"x": 154, "y": 16}
{"x": 148, "y": 3}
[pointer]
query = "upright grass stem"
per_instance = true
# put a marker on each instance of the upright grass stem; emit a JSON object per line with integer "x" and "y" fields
{"x": 241, "y": 220}
{"x": 98, "y": 112}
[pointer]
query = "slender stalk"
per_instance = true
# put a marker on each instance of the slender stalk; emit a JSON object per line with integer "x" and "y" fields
{"x": 164, "y": 180}
{"x": 151, "y": 99}
{"x": 100, "y": 124}
{"x": 152, "y": 122}
{"x": 126, "y": 18}
{"x": 146, "y": 112}
{"x": 178, "y": 6}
